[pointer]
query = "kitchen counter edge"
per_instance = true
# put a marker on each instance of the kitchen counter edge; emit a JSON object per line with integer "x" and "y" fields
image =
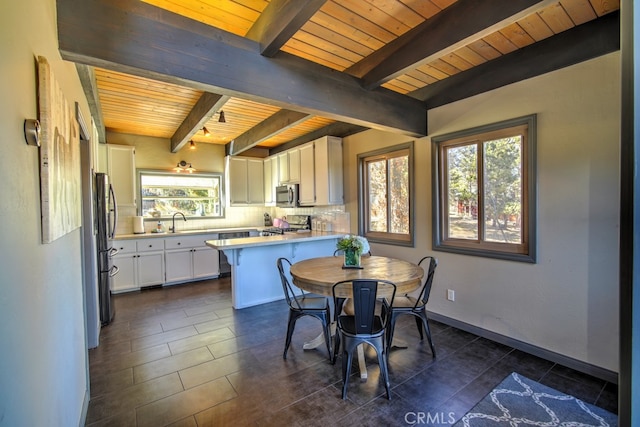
{"x": 251, "y": 242}
{"x": 184, "y": 233}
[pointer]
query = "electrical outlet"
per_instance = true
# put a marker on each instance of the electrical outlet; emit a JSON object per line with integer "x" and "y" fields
{"x": 451, "y": 295}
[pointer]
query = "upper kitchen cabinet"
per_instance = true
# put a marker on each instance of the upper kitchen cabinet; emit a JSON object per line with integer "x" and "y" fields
{"x": 271, "y": 179}
{"x": 321, "y": 179}
{"x": 289, "y": 166}
{"x": 307, "y": 189}
{"x": 121, "y": 166}
{"x": 245, "y": 181}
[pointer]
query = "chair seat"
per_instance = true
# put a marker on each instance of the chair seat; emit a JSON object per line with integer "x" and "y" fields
{"x": 405, "y": 302}
{"x": 312, "y": 303}
{"x": 347, "y": 324}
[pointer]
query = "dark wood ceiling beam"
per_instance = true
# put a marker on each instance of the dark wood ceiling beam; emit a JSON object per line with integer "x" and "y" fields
{"x": 88, "y": 82}
{"x": 456, "y": 26}
{"x": 133, "y": 37}
{"x": 202, "y": 111}
{"x": 279, "y": 21}
{"x": 340, "y": 129}
{"x": 587, "y": 41}
{"x": 269, "y": 127}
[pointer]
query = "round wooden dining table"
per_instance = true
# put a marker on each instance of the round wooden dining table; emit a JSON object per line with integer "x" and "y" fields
{"x": 318, "y": 275}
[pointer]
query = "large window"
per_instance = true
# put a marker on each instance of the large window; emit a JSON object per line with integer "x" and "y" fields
{"x": 385, "y": 186}
{"x": 195, "y": 195}
{"x": 484, "y": 190}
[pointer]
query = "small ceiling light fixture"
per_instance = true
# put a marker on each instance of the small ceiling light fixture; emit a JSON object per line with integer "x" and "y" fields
{"x": 206, "y": 131}
{"x": 192, "y": 145}
{"x": 221, "y": 119}
{"x": 183, "y": 166}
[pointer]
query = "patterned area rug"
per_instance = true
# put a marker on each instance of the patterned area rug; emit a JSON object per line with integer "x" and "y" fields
{"x": 519, "y": 401}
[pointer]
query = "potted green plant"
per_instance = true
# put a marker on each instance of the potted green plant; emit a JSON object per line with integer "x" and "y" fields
{"x": 353, "y": 247}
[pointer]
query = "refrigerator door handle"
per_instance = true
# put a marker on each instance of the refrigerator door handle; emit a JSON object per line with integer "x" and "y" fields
{"x": 114, "y": 209}
{"x": 113, "y": 271}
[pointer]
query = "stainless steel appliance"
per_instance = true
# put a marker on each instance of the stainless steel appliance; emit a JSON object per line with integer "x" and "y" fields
{"x": 287, "y": 196}
{"x": 105, "y": 228}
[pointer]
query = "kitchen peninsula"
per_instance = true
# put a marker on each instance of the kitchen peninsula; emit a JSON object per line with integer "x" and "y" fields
{"x": 254, "y": 276}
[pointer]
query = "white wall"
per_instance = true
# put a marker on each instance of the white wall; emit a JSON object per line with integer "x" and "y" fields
{"x": 42, "y": 341}
{"x": 568, "y": 301}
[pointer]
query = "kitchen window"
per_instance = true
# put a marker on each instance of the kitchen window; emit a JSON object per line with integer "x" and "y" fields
{"x": 197, "y": 195}
{"x": 386, "y": 194}
{"x": 484, "y": 190}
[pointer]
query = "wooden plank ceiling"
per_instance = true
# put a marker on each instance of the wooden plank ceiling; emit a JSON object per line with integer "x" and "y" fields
{"x": 404, "y": 46}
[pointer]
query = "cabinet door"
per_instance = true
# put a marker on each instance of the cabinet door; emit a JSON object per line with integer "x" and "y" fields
{"x": 237, "y": 177}
{"x": 255, "y": 178}
{"x": 150, "y": 268}
{"x": 283, "y": 168}
{"x": 206, "y": 262}
{"x": 328, "y": 171}
{"x": 307, "y": 194}
{"x": 294, "y": 165}
{"x": 122, "y": 171}
{"x": 269, "y": 186}
{"x": 178, "y": 265}
{"x": 125, "y": 280}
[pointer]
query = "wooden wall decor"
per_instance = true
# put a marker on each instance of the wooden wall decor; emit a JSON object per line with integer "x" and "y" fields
{"x": 60, "y": 186}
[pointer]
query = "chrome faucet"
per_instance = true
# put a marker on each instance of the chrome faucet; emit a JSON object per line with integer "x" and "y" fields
{"x": 173, "y": 221}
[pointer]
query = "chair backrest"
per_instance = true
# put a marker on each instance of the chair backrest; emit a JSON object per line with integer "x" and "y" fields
{"x": 290, "y": 295}
{"x": 426, "y": 288}
{"x": 364, "y": 293}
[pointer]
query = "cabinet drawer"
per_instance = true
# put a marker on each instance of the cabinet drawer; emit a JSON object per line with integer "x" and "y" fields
{"x": 125, "y": 246}
{"x": 186, "y": 242}
{"x": 150, "y": 245}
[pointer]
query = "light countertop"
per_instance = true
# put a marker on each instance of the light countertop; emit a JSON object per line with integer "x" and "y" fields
{"x": 185, "y": 233}
{"x": 293, "y": 237}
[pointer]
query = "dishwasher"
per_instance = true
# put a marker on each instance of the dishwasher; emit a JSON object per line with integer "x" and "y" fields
{"x": 225, "y": 268}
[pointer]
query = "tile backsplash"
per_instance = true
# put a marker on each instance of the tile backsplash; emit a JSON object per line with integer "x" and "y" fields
{"x": 249, "y": 216}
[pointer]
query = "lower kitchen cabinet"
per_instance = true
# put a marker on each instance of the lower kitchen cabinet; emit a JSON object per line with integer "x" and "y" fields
{"x": 188, "y": 258}
{"x": 140, "y": 263}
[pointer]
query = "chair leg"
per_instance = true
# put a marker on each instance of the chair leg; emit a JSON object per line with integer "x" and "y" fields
{"x": 425, "y": 323}
{"x": 336, "y": 347}
{"x": 327, "y": 337}
{"x": 382, "y": 361}
{"x": 390, "y": 329}
{"x": 419, "y": 325}
{"x": 347, "y": 359}
{"x": 290, "y": 327}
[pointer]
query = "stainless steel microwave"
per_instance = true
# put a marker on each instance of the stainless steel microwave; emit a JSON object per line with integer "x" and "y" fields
{"x": 287, "y": 196}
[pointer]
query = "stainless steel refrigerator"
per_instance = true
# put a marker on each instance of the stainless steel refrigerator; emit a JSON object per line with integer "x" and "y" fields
{"x": 106, "y": 218}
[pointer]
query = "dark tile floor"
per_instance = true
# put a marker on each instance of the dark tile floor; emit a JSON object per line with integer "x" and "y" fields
{"x": 182, "y": 356}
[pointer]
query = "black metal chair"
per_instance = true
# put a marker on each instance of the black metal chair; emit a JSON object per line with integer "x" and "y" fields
{"x": 414, "y": 306}
{"x": 303, "y": 305}
{"x": 364, "y": 326}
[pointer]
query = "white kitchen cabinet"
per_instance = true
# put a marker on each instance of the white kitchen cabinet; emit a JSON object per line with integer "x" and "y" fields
{"x": 245, "y": 181}
{"x": 140, "y": 264}
{"x": 188, "y": 258}
{"x": 283, "y": 168}
{"x": 270, "y": 168}
{"x": 307, "y": 188}
{"x": 289, "y": 166}
{"x": 321, "y": 179}
{"x": 121, "y": 166}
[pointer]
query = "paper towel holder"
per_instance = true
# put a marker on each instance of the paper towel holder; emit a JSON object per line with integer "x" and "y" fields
{"x": 138, "y": 225}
